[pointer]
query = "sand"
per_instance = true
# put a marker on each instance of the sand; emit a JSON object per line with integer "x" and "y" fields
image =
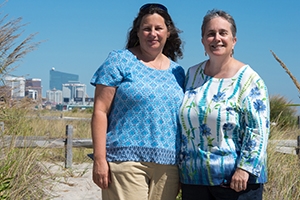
{"x": 74, "y": 183}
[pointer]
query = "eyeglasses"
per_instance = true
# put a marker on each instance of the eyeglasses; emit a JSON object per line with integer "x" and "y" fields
{"x": 154, "y": 5}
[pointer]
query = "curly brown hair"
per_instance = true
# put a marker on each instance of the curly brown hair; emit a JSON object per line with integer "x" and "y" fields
{"x": 173, "y": 46}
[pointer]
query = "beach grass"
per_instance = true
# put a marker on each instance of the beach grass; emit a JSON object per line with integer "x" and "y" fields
{"x": 283, "y": 169}
{"x": 20, "y": 172}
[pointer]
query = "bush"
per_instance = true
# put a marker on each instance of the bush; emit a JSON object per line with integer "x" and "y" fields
{"x": 281, "y": 113}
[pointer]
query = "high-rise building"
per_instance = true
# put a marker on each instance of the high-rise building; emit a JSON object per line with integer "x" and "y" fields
{"x": 33, "y": 88}
{"x": 54, "y": 96}
{"x": 74, "y": 92}
{"x": 16, "y": 85}
{"x": 58, "y": 78}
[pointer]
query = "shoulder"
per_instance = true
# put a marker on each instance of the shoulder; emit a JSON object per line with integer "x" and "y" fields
{"x": 120, "y": 52}
{"x": 177, "y": 69}
{"x": 116, "y": 61}
{"x": 196, "y": 69}
{"x": 249, "y": 73}
{"x": 120, "y": 59}
{"x": 174, "y": 64}
{"x": 252, "y": 83}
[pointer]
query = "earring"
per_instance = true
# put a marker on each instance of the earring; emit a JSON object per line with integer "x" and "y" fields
{"x": 205, "y": 53}
{"x": 232, "y": 52}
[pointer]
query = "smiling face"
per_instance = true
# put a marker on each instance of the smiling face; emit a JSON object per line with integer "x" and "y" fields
{"x": 153, "y": 33}
{"x": 218, "y": 39}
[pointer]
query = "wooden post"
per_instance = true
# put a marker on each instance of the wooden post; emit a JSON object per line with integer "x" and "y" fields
{"x": 1, "y": 128}
{"x": 68, "y": 146}
{"x": 298, "y": 140}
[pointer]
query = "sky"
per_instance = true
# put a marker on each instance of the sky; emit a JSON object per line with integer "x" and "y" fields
{"x": 77, "y": 36}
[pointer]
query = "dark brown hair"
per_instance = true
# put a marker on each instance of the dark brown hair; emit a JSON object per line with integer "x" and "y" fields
{"x": 172, "y": 48}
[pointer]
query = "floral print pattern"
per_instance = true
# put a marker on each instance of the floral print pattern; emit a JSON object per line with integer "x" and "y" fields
{"x": 225, "y": 124}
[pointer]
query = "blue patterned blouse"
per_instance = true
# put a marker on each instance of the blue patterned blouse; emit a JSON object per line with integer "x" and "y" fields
{"x": 225, "y": 124}
{"x": 143, "y": 122}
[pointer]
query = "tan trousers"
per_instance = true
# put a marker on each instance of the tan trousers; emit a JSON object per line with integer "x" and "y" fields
{"x": 142, "y": 181}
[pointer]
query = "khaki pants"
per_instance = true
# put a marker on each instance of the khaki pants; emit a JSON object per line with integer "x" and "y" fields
{"x": 142, "y": 181}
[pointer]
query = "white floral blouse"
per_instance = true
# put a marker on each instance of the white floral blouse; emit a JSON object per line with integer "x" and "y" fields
{"x": 225, "y": 125}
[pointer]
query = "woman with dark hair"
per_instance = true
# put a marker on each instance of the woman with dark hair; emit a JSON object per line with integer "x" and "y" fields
{"x": 172, "y": 47}
{"x": 135, "y": 125}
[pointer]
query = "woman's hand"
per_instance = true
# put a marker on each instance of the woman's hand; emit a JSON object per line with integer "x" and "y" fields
{"x": 104, "y": 96}
{"x": 239, "y": 180}
{"x": 101, "y": 174}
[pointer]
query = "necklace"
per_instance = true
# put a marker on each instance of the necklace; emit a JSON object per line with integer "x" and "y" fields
{"x": 149, "y": 63}
{"x": 153, "y": 66}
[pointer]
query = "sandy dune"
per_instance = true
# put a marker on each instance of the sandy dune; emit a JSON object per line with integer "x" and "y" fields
{"x": 72, "y": 184}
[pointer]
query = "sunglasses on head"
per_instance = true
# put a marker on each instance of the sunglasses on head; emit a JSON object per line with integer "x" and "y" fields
{"x": 154, "y": 5}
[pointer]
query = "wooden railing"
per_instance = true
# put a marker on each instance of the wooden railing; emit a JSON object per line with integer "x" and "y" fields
{"x": 283, "y": 146}
{"x": 44, "y": 142}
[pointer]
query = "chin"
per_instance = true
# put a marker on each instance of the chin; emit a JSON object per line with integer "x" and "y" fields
{"x": 218, "y": 54}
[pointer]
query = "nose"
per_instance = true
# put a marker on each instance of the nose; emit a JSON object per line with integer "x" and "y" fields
{"x": 153, "y": 32}
{"x": 217, "y": 37}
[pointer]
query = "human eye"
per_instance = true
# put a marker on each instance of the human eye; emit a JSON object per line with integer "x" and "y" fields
{"x": 223, "y": 32}
{"x": 211, "y": 34}
{"x": 146, "y": 29}
{"x": 158, "y": 28}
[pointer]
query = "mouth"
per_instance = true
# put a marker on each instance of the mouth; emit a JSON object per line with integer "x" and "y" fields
{"x": 153, "y": 41}
{"x": 217, "y": 46}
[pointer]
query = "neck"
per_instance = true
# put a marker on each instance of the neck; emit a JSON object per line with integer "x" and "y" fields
{"x": 221, "y": 68}
{"x": 149, "y": 56}
{"x": 220, "y": 64}
{"x": 153, "y": 60}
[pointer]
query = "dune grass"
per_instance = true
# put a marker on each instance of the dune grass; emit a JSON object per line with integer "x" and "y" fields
{"x": 20, "y": 174}
{"x": 283, "y": 169}
{"x": 20, "y": 171}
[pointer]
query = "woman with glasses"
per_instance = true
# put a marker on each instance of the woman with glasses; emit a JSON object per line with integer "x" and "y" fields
{"x": 225, "y": 121}
{"x": 135, "y": 125}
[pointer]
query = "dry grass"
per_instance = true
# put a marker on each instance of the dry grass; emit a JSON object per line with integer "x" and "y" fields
{"x": 56, "y": 128}
{"x": 21, "y": 175}
{"x": 287, "y": 71}
{"x": 284, "y": 173}
{"x": 283, "y": 169}
{"x": 19, "y": 168}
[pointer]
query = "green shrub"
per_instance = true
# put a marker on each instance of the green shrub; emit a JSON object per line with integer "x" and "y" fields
{"x": 281, "y": 113}
{"x": 5, "y": 181}
{"x": 20, "y": 171}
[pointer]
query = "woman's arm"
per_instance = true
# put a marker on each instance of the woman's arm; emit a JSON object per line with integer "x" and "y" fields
{"x": 255, "y": 138}
{"x": 103, "y": 99}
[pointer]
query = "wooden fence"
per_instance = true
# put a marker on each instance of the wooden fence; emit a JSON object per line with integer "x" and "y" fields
{"x": 283, "y": 146}
{"x": 44, "y": 142}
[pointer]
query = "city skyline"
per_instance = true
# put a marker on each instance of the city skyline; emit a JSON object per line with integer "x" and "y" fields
{"x": 55, "y": 82}
{"x": 64, "y": 88}
{"x": 78, "y": 35}
{"x": 58, "y": 78}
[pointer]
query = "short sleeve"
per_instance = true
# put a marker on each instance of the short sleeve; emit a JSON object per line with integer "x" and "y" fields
{"x": 110, "y": 72}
